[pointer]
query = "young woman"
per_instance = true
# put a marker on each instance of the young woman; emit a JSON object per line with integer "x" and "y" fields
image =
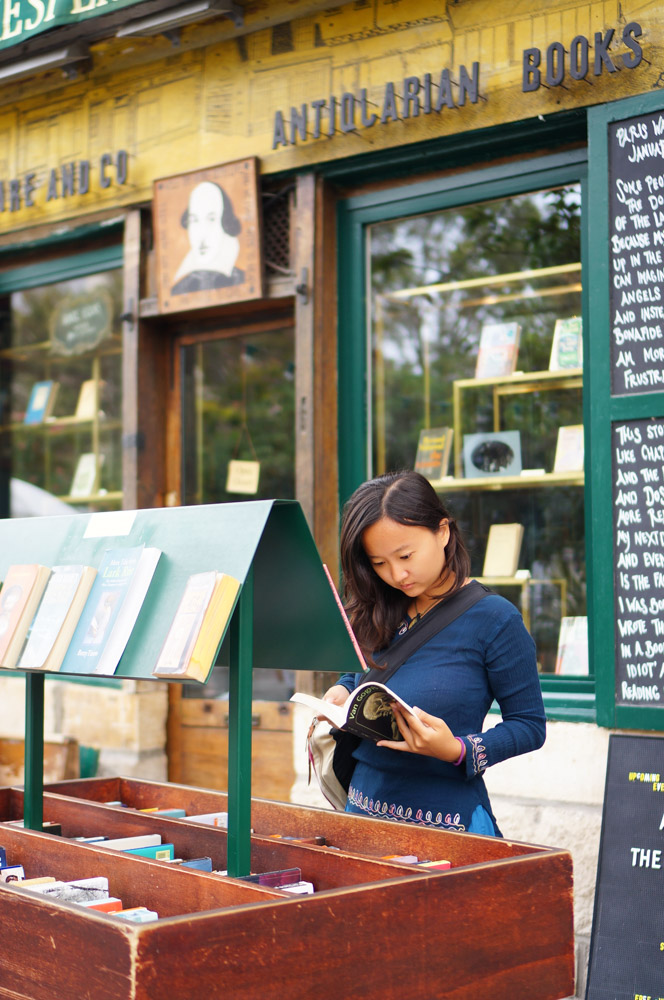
{"x": 401, "y": 555}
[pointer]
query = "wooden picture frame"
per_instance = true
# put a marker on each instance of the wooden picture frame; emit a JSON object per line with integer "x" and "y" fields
{"x": 207, "y": 227}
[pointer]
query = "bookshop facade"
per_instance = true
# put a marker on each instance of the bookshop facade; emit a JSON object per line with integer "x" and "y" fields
{"x": 443, "y": 249}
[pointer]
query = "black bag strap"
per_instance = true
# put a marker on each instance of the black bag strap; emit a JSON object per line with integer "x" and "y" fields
{"x": 434, "y": 621}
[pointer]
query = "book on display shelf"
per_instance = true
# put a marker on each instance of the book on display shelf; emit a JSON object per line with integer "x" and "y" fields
{"x": 22, "y": 589}
{"x": 198, "y": 626}
{"x": 567, "y": 344}
{"x": 572, "y": 655}
{"x": 569, "y": 449}
{"x": 85, "y": 481}
{"x": 87, "y": 405}
{"x": 433, "y": 452}
{"x": 503, "y": 549}
{"x": 498, "y": 350}
{"x": 58, "y": 612}
{"x": 41, "y": 402}
{"x": 111, "y": 610}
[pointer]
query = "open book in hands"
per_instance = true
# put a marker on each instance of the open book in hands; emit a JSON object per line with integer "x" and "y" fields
{"x": 367, "y": 712}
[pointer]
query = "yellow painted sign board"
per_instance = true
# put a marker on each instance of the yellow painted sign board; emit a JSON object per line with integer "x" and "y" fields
{"x": 337, "y": 83}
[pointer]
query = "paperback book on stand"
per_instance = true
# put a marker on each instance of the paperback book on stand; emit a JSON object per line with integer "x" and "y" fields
{"x": 367, "y": 712}
{"x": 433, "y": 452}
{"x": 58, "y": 612}
{"x": 198, "y": 626}
{"x": 498, "y": 350}
{"x": 88, "y": 400}
{"x": 111, "y": 611}
{"x": 85, "y": 481}
{"x": 21, "y": 592}
{"x": 503, "y": 549}
{"x": 569, "y": 449}
{"x": 567, "y": 345}
{"x": 41, "y": 402}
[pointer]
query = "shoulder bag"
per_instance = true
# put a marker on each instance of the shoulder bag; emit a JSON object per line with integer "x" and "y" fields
{"x": 330, "y": 750}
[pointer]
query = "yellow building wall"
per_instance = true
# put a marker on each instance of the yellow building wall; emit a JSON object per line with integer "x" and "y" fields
{"x": 201, "y": 105}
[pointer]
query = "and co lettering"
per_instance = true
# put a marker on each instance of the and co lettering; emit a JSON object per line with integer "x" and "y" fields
{"x": 79, "y": 177}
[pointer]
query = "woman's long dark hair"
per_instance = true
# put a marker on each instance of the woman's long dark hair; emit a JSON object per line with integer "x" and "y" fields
{"x": 374, "y": 608}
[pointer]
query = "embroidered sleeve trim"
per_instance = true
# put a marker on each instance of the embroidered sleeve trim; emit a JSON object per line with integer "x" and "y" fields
{"x": 479, "y": 760}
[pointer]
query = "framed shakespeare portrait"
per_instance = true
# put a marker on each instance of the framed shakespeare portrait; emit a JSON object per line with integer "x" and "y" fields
{"x": 208, "y": 237}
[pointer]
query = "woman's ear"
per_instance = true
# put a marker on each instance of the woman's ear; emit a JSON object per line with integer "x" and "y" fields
{"x": 444, "y": 528}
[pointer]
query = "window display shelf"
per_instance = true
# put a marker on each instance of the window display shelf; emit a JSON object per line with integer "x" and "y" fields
{"x": 112, "y": 496}
{"x": 30, "y": 352}
{"x": 62, "y": 425}
{"x": 524, "y": 584}
{"x": 523, "y": 481}
{"x": 508, "y": 385}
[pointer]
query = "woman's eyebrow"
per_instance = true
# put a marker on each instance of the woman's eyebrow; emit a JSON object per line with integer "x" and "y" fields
{"x": 393, "y": 552}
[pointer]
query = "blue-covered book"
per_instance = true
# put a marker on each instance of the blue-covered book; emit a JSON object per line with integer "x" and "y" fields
{"x": 41, "y": 402}
{"x": 111, "y": 611}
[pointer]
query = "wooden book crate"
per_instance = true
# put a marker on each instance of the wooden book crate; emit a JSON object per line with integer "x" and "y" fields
{"x": 498, "y": 924}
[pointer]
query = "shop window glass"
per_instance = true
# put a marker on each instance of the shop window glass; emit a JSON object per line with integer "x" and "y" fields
{"x": 61, "y": 393}
{"x": 436, "y": 282}
{"x": 238, "y": 405}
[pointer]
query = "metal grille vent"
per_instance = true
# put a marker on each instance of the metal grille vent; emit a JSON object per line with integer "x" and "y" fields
{"x": 276, "y": 229}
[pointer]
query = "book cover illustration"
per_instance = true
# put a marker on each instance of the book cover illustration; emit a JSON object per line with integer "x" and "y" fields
{"x": 367, "y": 712}
{"x": 21, "y": 592}
{"x": 41, "y": 402}
{"x": 433, "y": 452}
{"x": 567, "y": 344}
{"x": 498, "y": 350}
{"x": 198, "y": 626}
{"x": 111, "y": 610}
{"x": 54, "y": 623}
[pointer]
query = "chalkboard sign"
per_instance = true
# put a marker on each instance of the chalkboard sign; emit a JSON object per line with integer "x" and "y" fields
{"x": 627, "y": 941}
{"x": 638, "y": 512}
{"x": 636, "y": 207}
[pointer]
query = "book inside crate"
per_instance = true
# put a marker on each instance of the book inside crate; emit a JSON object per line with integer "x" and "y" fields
{"x": 261, "y": 940}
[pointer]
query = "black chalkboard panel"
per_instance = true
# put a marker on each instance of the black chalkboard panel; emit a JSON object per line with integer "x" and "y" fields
{"x": 627, "y": 941}
{"x": 638, "y": 533}
{"x": 636, "y": 208}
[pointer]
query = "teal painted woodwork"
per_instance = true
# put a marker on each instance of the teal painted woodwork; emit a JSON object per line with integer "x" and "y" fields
{"x": 60, "y": 269}
{"x": 603, "y": 411}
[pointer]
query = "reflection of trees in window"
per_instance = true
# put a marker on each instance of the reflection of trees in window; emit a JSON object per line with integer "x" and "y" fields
{"x": 246, "y": 391}
{"x": 31, "y": 314}
{"x": 425, "y": 337}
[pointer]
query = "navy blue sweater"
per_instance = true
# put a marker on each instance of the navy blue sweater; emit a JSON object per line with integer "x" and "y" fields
{"x": 486, "y": 654}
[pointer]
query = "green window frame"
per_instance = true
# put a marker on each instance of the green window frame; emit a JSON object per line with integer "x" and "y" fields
{"x": 606, "y": 410}
{"x": 570, "y": 699}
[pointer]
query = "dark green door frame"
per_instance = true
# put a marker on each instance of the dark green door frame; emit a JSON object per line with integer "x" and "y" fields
{"x": 604, "y": 412}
